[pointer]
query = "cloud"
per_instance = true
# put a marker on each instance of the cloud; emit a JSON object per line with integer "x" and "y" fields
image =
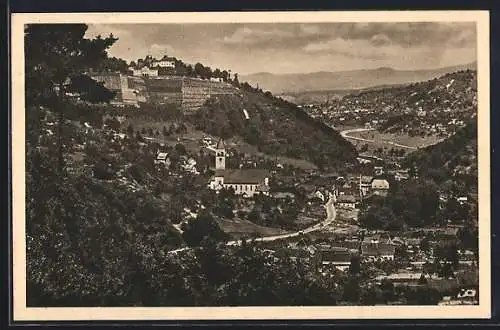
{"x": 363, "y": 49}
{"x": 279, "y": 47}
{"x": 159, "y": 50}
{"x": 405, "y": 34}
{"x": 309, "y": 29}
{"x": 257, "y": 35}
{"x": 380, "y": 39}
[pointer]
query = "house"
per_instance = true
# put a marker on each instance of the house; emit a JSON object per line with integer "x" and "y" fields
{"x": 397, "y": 241}
{"x": 347, "y": 189}
{"x": 338, "y": 257}
{"x": 245, "y": 182}
{"x": 190, "y": 166}
{"x": 365, "y": 184}
{"x": 346, "y": 201}
{"x": 383, "y": 238}
{"x": 165, "y": 62}
{"x": 413, "y": 243}
{"x": 378, "y": 170}
{"x": 145, "y": 72}
{"x": 162, "y": 158}
{"x": 318, "y": 194}
{"x": 380, "y": 187}
{"x": 377, "y": 251}
{"x": 293, "y": 253}
{"x": 352, "y": 244}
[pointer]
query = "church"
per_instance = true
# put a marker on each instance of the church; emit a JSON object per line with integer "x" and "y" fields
{"x": 245, "y": 182}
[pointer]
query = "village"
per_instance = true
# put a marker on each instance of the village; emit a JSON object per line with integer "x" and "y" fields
{"x": 435, "y": 108}
{"x": 157, "y": 182}
{"x": 419, "y": 257}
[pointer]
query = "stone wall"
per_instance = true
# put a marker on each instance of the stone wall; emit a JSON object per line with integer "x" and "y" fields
{"x": 188, "y": 93}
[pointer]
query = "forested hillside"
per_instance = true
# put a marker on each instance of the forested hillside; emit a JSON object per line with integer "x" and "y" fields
{"x": 275, "y": 126}
{"x": 455, "y": 156}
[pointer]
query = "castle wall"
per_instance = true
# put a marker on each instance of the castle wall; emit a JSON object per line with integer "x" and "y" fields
{"x": 188, "y": 93}
{"x": 112, "y": 81}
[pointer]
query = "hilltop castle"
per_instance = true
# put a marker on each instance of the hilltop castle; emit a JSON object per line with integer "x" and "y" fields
{"x": 245, "y": 182}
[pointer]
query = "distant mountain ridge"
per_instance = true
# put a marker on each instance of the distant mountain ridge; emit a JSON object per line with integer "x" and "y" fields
{"x": 343, "y": 80}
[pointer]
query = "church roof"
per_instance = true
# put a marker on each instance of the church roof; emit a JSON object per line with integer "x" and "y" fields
{"x": 220, "y": 144}
{"x": 240, "y": 176}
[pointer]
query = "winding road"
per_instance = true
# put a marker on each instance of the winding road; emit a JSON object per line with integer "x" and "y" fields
{"x": 331, "y": 214}
{"x": 345, "y": 135}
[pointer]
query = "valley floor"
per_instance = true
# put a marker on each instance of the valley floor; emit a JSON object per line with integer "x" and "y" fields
{"x": 374, "y": 139}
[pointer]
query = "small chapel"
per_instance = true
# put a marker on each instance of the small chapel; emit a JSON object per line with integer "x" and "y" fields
{"x": 245, "y": 182}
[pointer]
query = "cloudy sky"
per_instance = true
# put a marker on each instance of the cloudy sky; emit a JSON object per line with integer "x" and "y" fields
{"x": 298, "y": 48}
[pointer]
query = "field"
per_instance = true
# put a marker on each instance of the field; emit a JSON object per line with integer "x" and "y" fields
{"x": 387, "y": 141}
{"x": 347, "y": 216}
{"x": 238, "y": 228}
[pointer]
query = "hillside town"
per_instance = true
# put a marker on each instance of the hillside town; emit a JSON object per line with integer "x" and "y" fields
{"x": 436, "y": 107}
{"x": 198, "y": 211}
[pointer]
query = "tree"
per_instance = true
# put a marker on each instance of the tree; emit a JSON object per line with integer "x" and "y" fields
{"x": 57, "y": 58}
{"x": 371, "y": 296}
{"x": 355, "y": 266}
{"x": 254, "y": 216}
{"x": 387, "y": 290}
{"x": 204, "y": 226}
{"x": 225, "y": 75}
{"x": 425, "y": 245}
{"x": 199, "y": 69}
{"x": 180, "y": 149}
{"x": 351, "y": 290}
{"x": 235, "y": 80}
{"x": 377, "y": 217}
{"x": 130, "y": 130}
{"x": 113, "y": 65}
{"x": 422, "y": 280}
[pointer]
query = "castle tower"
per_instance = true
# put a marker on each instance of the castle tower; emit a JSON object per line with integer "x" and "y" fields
{"x": 220, "y": 155}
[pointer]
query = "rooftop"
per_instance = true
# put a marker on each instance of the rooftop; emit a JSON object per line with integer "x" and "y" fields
{"x": 161, "y": 156}
{"x": 377, "y": 249}
{"x": 220, "y": 144}
{"x": 243, "y": 176}
{"x": 380, "y": 184}
{"x": 366, "y": 179}
{"x": 346, "y": 199}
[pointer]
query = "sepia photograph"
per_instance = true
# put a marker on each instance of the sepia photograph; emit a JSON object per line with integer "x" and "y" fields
{"x": 250, "y": 165}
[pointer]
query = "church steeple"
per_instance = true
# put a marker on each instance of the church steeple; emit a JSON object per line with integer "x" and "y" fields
{"x": 220, "y": 155}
